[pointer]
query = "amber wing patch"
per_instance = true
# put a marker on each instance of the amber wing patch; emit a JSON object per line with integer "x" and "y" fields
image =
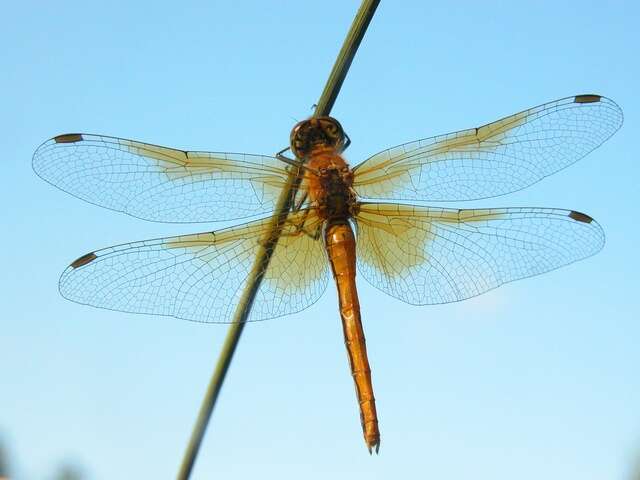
{"x": 201, "y": 277}
{"x": 425, "y": 255}
{"x": 160, "y": 183}
{"x": 498, "y": 158}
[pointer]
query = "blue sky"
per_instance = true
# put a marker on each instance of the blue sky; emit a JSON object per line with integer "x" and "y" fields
{"x": 537, "y": 379}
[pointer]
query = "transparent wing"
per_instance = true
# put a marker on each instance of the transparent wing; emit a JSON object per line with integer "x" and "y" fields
{"x": 427, "y": 255}
{"x": 492, "y": 160}
{"x": 158, "y": 183}
{"x": 201, "y": 277}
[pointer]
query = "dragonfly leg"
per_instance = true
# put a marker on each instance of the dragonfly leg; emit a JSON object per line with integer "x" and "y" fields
{"x": 313, "y": 235}
{"x": 290, "y": 161}
{"x": 347, "y": 142}
{"x": 299, "y": 227}
{"x": 294, "y": 161}
{"x": 297, "y": 206}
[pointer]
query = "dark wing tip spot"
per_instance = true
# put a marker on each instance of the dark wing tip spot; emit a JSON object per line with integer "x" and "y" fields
{"x": 581, "y": 217}
{"x": 587, "y": 98}
{"x": 83, "y": 260}
{"x": 68, "y": 138}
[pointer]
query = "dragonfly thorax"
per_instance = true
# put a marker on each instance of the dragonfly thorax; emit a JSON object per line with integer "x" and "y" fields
{"x": 331, "y": 184}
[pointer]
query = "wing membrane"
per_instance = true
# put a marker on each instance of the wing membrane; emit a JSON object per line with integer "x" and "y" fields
{"x": 501, "y": 157}
{"x": 201, "y": 277}
{"x": 427, "y": 255}
{"x": 158, "y": 183}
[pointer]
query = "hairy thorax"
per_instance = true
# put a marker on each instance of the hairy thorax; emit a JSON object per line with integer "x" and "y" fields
{"x": 330, "y": 184}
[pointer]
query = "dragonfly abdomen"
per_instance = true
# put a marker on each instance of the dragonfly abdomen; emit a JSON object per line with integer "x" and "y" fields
{"x": 341, "y": 248}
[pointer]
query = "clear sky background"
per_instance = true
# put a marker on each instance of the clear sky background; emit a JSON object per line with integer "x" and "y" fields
{"x": 537, "y": 379}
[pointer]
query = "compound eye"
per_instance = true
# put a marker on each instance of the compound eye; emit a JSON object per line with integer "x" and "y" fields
{"x": 331, "y": 129}
{"x": 299, "y": 139}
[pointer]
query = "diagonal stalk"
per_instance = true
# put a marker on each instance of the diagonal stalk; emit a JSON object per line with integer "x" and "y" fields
{"x": 285, "y": 200}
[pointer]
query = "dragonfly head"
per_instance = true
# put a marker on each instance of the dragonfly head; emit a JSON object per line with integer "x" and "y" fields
{"x": 317, "y": 132}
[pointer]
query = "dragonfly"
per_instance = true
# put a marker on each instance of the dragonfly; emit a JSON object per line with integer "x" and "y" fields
{"x": 342, "y": 220}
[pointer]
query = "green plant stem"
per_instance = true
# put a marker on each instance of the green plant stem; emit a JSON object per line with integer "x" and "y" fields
{"x": 324, "y": 106}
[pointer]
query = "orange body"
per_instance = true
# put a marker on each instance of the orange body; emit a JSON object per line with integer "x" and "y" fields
{"x": 331, "y": 192}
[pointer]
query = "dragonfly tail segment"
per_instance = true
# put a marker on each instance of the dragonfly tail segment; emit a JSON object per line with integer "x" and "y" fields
{"x": 341, "y": 249}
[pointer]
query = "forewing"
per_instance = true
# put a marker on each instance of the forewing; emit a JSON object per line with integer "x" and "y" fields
{"x": 158, "y": 183}
{"x": 201, "y": 277}
{"x": 427, "y": 255}
{"x": 494, "y": 159}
